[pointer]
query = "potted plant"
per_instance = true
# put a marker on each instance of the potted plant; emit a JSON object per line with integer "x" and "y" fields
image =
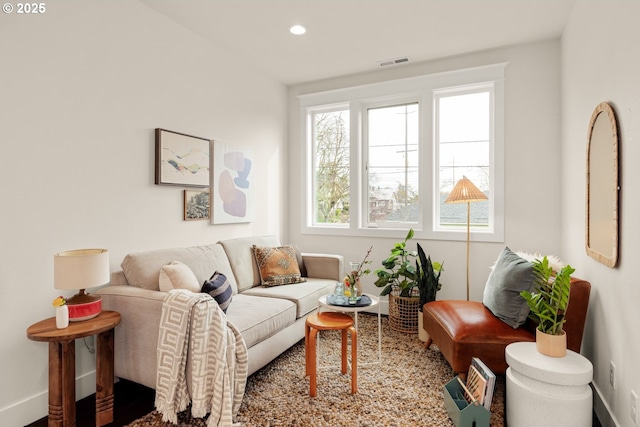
{"x": 398, "y": 272}
{"x": 548, "y": 304}
{"x": 403, "y": 277}
{"x": 428, "y": 282}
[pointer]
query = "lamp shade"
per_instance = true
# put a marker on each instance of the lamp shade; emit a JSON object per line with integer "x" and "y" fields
{"x": 80, "y": 269}
{"x": 465, "y": 192}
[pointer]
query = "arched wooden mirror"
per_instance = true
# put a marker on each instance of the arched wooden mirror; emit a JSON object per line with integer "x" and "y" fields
{"x": 602, "y": 186}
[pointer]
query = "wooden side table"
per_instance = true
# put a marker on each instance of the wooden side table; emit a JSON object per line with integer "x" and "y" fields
{"x": 62, "y": 366}
{"x": 375, "y": 302}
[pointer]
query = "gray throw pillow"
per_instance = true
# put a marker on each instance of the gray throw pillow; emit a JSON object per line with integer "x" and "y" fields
{"x": 511, "y": 275}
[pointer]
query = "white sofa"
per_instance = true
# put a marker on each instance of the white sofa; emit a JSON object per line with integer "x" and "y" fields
{"x": 271, "y": 319}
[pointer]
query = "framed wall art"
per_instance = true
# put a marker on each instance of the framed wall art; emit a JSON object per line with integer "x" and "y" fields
{"x": 197, "y": 205}
{"x": 233, "y": 187}
{"x": 182, "y": 159}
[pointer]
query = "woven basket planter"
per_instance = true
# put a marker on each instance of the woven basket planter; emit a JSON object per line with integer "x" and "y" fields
{"x": 403, "y": 312}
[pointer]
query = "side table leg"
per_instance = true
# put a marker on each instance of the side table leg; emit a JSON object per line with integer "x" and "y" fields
{"x": 68, "y": 383}
{"x": 104, "y": 378}
{"x": 313, "y": 380}
{"x": 55, "y": 385}
{"x": 354, "y": 360}
{"x": 379, "y": 337}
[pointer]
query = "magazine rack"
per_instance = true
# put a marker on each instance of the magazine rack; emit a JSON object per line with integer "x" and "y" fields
{"x": 461, "y": 412}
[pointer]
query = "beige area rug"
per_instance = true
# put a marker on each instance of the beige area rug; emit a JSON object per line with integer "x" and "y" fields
{"x": 404, "y": 390}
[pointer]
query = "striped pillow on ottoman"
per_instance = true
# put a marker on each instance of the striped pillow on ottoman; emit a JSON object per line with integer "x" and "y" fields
{"x": 220, "y": 289}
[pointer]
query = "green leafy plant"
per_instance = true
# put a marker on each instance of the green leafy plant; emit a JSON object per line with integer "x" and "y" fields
{"x": 550, "y": 297}
{"x": 398, "y": 269}
{"x": 405, "y": 270}
{"x": 428, "y": 280}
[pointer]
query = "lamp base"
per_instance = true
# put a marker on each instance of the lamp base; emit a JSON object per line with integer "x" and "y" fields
{"x": 84, "y": 306}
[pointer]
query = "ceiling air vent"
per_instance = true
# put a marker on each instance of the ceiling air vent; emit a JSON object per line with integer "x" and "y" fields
{"x": 395, "y": 61}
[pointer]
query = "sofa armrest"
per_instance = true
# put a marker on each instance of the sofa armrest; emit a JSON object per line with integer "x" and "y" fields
{"x": 576, "y": 314}
{"x": 118, "y": 278}
{"x": 136, "y": 337}
{"x": 324, "y": 266}
{"x": 115, "y": 291}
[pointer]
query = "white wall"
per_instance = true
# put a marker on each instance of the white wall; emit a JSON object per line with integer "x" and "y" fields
{"x": 532, "y": 177}
{"x": 600, "y": 62}
{"x": 83, "y": 87}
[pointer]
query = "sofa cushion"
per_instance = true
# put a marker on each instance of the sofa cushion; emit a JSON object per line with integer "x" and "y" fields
{"x": 243, "y": 263}
{"x": 304, "y": 295}
{"x": 220, "y": 289}
{"x": 177, "y": 275}
{"x": 142, "y": 269}
{"x": 510, "y": 276}
{"x": 277, "y": 265}
{"x": 259, "y": 318}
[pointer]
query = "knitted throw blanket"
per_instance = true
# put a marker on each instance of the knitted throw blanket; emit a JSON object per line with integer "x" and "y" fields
{"x": 202, "y": 360}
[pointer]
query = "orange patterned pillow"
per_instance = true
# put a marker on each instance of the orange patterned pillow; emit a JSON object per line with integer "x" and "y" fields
{"x": 277, "y": 266}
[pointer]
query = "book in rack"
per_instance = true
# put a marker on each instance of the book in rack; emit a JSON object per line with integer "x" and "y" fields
{"x": 485, "y": 382}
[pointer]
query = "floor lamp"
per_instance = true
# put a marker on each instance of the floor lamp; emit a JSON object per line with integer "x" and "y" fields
{"x": 466, "y": 192}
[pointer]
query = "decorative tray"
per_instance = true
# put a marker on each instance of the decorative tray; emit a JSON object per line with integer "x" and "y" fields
{"x": 363, "y": 301}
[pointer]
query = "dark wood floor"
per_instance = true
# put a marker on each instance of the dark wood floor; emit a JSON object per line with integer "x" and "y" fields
{"x": 131, "y": 401}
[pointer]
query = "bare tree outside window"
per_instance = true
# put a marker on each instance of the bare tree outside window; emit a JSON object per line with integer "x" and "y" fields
{"x": 331, "y": 163}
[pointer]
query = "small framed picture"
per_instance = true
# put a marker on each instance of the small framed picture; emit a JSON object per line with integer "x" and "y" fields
{"x": 182, "y": 159}
{"x": 197, "y": 205}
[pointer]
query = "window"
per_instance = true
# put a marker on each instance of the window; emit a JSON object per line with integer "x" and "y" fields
{"x": 385, "y": 156}
{"x": 331, "y": 163}
{"x": 392, "y": 165}
{"x": 463, "y": 142}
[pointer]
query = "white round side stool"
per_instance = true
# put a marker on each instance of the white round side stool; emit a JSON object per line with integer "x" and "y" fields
{"x": 545, "y": 391}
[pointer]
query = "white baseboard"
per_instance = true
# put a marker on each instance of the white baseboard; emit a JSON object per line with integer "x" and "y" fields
{"x": 602, "y": 409}
{"x": 33, "y": 408}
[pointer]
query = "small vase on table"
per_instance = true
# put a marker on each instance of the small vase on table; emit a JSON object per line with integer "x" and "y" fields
{"x": 62, "y": 317}
{"x": 62, "y": 312}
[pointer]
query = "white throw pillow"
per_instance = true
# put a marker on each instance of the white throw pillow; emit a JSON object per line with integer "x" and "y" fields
{"x": 177, "y": 276}
{"x": 554, "y": 262}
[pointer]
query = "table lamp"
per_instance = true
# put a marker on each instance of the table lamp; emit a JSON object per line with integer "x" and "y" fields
{"x": 466, "y": 192}
{"x": 81, "y": 269}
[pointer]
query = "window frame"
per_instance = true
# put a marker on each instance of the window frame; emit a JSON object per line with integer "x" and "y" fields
{"x": 420, "y": 89}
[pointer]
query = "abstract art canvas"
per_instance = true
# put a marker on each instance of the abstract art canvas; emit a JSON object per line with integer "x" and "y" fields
{"x": 232, "y": 184}
{"x": 182, "y": 159}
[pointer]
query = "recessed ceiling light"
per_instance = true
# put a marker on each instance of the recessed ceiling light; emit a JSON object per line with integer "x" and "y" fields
{"x": 297, "y": 30}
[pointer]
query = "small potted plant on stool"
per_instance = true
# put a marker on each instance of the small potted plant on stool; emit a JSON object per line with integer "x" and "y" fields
{"x": 548, "y": 303}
